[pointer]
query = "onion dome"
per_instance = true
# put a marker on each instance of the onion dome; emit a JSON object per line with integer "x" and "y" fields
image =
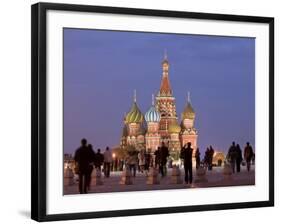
{"x": 134, "y": 115}
{"x": 188, "y": 112}
{"x": 152, "y": 115}
{"x": 174, "y": 128}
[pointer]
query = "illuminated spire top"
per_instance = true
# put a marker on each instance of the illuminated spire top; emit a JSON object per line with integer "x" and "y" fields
{"x": 135, "y": 95}
{"x": 188, "y": 97}
{"x": 165, "y": 62}
{"x": 152, "y": 99}
{"x": 165, "y": 55}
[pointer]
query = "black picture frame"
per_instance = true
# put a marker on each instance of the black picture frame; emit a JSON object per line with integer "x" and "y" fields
{"x": 39, "y": 123}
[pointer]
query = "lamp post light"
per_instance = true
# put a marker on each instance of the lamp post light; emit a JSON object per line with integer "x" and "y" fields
{"x": 114, "y": 162}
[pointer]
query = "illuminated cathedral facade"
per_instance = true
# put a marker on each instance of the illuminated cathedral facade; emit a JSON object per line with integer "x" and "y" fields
{"x": 160, "y": 123}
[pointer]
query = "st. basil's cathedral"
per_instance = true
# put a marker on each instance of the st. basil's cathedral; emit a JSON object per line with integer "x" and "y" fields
{"x": 160, "y": 123}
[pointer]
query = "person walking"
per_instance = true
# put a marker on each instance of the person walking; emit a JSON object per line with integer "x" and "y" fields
{"x": 206, "y": 158}
{"x": 132, "y": 162}
{"x": 232, "y": 155}
{"x": 164, "y": 154}
{"x": 210, "y": 159}
{"x": 186, "y": 155}
{"x": 99, "y": 160}
{"x": 141, "y": 158}
{"x": 83, "y": 157}
{"x": 89, "y": 175}
{"x": 147, "y": 161}
{"x": 239, "y": 158}
{"x": 248, "y": 155}
{"x": 107, "y": 161}
{"x": 197, "y": 158}
{"x": 157, "y": 158}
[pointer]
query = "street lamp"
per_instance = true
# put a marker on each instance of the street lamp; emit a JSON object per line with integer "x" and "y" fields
{"x": 114, "y": 162}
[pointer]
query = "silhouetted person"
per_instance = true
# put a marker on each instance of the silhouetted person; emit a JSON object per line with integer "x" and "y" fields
{"x": 157, "y": 158}
{"x": 88, "y": 177}
{"x": 99, "y": 160}
{"x": 107, "y": 161}
{"x": 197, "y": 158}
{"x": 210, "y": 158}
{"x": 186, "y": 155}
{"x": 141, "y": 159}
{"x": 239, "y": 158}
{"x": 248, "y": 155}
{"x": 232, "y": 155}
{"x": 164, "y": 154}
{"x": 132, "y": 161}
{"x": 84, "y": 157}
{"x": 206, "y": 157}
{"x": 147, "y": 161}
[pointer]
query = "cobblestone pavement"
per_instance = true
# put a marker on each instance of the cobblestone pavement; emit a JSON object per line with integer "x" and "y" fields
{"x": 215, "y": 179}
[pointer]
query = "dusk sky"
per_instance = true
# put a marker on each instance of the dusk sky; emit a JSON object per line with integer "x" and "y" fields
{"x": 102, "y": 69}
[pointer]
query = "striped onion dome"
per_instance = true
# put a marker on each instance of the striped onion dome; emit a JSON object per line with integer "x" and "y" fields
{"x": 152, "y": 115}
{"x": 134, "y": 115}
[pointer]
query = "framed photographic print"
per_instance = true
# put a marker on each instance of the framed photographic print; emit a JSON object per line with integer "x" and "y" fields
{"x": 139, "y": 111}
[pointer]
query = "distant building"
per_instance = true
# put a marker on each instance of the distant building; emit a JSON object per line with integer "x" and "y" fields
{"x": 160, "y": 123}
{"x": 218, "y": 158}
{"x": 68, "y": 161}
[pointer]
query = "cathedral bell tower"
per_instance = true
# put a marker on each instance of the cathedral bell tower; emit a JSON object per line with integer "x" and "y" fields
{"x": 135, "y": 126}
{"x": 152, "y": 136}
{"x": 165, "y": 103}
{"x": 189, "y": 132}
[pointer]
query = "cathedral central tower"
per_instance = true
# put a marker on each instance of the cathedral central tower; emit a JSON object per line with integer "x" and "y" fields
{"x": 165, "y": 102}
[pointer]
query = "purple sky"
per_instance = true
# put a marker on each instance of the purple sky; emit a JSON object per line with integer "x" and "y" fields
{"x": 102, "y": 69}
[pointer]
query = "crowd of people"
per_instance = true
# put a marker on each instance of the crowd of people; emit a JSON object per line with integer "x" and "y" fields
{"x": 144, "y": 159}
{"x": 87, "y": 159}
{"x": 208, "y": 159}
{"x": 234, "y": 156}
